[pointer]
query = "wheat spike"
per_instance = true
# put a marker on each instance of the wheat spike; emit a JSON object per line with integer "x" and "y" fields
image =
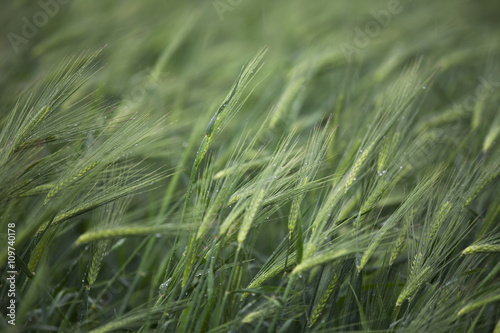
{"x": 250, "y": 215}
{"x": 357, "y": 166}
{"x": 324, "y": 299}
{"x": 478, "y": 304}
{"x": 412, "y": 286}
{"x": 400, "y": 241}
{"x": 481, "y": 248}
{"x": 66, "y": 182}
{"x": 97, "y": 258}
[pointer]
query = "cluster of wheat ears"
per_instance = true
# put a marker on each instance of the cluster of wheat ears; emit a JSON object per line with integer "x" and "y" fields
{"x": 342, "y": 196}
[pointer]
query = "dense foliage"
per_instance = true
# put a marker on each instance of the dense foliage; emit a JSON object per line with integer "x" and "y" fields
{"x": 250, "y": 166}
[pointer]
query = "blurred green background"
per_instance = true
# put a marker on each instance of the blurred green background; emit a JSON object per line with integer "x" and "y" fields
{"x": 180, "y": 58}
{"x": 206, "y": 42}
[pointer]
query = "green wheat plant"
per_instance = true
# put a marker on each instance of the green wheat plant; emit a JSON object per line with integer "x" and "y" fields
{"x": 248, "y": 166}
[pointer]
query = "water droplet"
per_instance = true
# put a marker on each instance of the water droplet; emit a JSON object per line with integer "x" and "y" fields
{"x": 163, "y": 286}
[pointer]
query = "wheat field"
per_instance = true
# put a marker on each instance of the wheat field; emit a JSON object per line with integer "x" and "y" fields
{"x": 250, "y": 166}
